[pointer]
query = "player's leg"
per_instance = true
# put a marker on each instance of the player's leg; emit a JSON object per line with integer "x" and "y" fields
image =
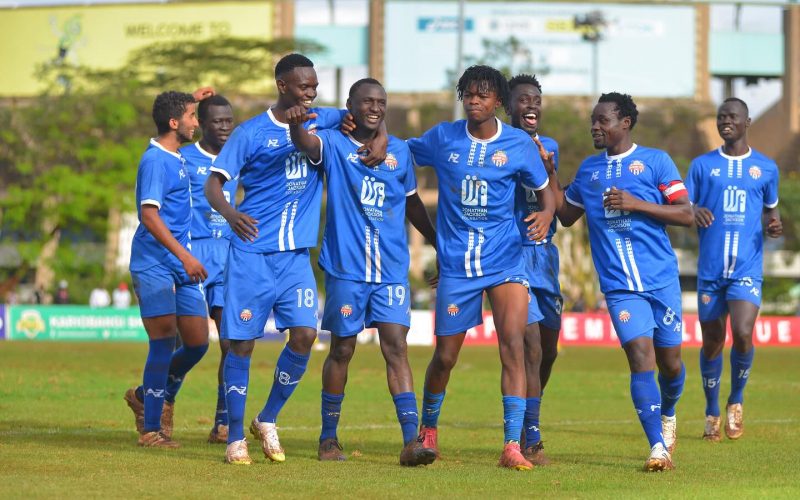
{"x": 236, "y": 375}
{"x": 743, "y": 315}
{"x": 533, "y": 386}
{"x": 219, "y": 433}
{"x": 712, "y": 311}
{"x": 509, "y": 308}
{"x": 667, "y": 339}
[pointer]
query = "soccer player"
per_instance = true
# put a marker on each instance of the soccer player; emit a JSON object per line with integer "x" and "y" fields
{"x": 166, "y": 277}
{"x": 629, "y": 194}
{"x": 365, "y": 259}
{"x": 211, "y": 233}
{"x": 541, "y": 265}
{"x": 268, "y": 266}
{"x": 478, "y": 162}
{"x": 731, "y": 188}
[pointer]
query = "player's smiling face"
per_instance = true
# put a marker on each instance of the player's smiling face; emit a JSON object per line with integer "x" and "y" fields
{"x": 526, "y": 107}
{"x": 187, "y": 124}
{"x": 480, "y": 103}
{"x": 298, "y": 87}
{"x": 732, "y": 121}
{"x": 217, "y": 125}
{"x": 368, "y": 106}
{"x": 608, "y": 129}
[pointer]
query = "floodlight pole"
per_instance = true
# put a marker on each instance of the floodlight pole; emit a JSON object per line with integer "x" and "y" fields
{"x": 457, "y": 108}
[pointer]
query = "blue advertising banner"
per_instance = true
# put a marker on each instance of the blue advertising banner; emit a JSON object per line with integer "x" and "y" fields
{"x": 2, "y": 321}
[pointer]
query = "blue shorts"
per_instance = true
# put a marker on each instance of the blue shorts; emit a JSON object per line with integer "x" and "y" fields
{"x": 163, "y": 290}
{"x": 541, "y": 267}
{"x": 213, "y": 254}
{"x": 713, "y": 296}
{"x": 655, "y": 314}
{"x": 349, "y": 305}
{"x": 257, "y": 283}
{"x": 459, "y": 301}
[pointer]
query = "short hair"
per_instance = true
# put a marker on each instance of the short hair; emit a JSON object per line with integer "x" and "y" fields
{"x": 625, "y": 105}
{"x": 736, "y": 99}
{"x": 360, "y": 83}
{"x": 524, "y": 79}
{"x": 214, "y": 100}
{"x": 494, "y": 80}
{"x": 290, "y": 62}
{"x": 169, "y": 105}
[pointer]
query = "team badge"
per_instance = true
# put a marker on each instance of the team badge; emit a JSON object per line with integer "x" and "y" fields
{"x": 499, "y": 158}
{"x": 705, "y": 299}
{"x": 636, "y": 167}
{"x": 624, "y": 316}
{"x": 312, "y": 129}
{"x": 346, "y": 310}
{"x": 754, "y": 172}
{"x": 246, "y": 315}
{"x": 390, "y": 161}
{"x": 452, "y": 309}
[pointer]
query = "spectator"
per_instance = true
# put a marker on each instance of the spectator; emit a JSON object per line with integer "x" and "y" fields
{"x": 121, "y": 296}
{"x": 99, "y": 298}
{"x": 62, "y": 295}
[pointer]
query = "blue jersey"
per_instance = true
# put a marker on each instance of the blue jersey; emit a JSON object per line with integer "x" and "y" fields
{"x": 631, "y": 251}
{"x": 162, "y": 181}
{"x": 736, "y": 189}
{"x": 206, "y": 222}
{"x": 526, "y": 200}
{"x": 477, "y": 233}
{"x": 365, "y": 233}
{"x": 281, "y": 189}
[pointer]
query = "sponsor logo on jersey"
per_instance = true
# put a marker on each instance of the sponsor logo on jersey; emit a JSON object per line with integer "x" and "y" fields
{"x": 272, "y": 143}
{"x": 474, "y": 192}
{"x": 296, "y": 166}
{"x": 595, "y": 176}
{"x": 352, "y": 158}
{"x": 390, "y": 161}
{"x": 499, "y": 158}
{"x": 734, "y": 200}
{"x": 452, "y": 309}
{"x": 373, "y": 193}
{"x": 714, "y": 172}
{"x": 453, "y": 158}
{"x": 754, "y": 172}
{"x": 530, "y": 196}
{"x": 346, "y": 310}
{"x": 636, "y": 167}
{"x": 202, "y": 170}
{"x": 246, "y": 315}
{"x": 624, "y": 316}
{"x": 705, "y": 299}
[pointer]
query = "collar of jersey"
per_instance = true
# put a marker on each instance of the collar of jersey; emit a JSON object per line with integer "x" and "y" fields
{"x": 275, "y": 120}
{"x": 622, "y": 155}
{"x": 354, "y": 141}
{"x": 204, "y": 152}
{"x": 728, "y": 157}
{"x": 485, "y": 141}
{"x": 162, "y": 148}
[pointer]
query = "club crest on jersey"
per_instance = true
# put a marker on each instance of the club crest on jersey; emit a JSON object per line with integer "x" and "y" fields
{"x": 390, "y": 161}
{"x": 705, "y": 299}
{"x": 754, "y": 172}
{"x": 636, "y": 167}
{"x": 346, "y": 310}
{"x": 246, "y": 315}
{"x": 452, "y": 309}
{"x": 624, "y": 316}
{"x": 499, "y": 158}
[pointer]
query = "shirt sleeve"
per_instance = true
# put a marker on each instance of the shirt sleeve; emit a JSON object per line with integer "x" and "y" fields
{"x": 669, "y": 180}
{"x": 533, "y": 174}
{"x": 235, "y": 154}
{"x": 326, "y": 149}
{"x": 329, "y": 118}
{"x": 410, "y": 181}
{"x": 573, "y": 194}
{"x": 771, "y": 189}
{"x": 693, "y": 181}
{"x": 423, "y": 149}
{"x": 151, "y": 182}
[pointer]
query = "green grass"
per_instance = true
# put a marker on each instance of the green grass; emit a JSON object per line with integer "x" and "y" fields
{"x": 66, "y": 432}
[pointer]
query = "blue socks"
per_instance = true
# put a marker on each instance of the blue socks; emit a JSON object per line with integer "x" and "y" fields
{"x": 288, "y": 372}
{"x": 236, "y": 374}
{"x": 513, "y": 416}
{"x": 740, "y": 372}
{"x": 182, "y": 361}
{"x": 532, "y": 434}
{"x": 405, "y": 404}
{"x": 331, "y": 410}
{"x": 221, "y": 415}
{"x": 431, "y": 406}
{"x": 671, "y": 390}
{"x": 154, "y": 381}
{"x": 647, "y": 402}
{"x": 711, "y": 371}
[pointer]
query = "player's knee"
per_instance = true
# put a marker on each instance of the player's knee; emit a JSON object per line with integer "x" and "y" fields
{"x": 445, "y": 358}
{"x": 549, "y": 355}
{"x": 342, "y": 352}
{"x": 242, "y": 348}
{"x": 302, "y": 339}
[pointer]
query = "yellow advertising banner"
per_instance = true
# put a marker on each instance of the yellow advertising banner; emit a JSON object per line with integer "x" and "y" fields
{"x": 102, "y": 36}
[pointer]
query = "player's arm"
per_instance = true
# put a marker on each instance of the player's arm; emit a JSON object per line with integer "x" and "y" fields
{"x": 566, "y": 212}
{"x": 307, "y": 143}
{"x": 418, "y": 216}
{"x": 677, "y": 212}
{"x": 539, "y": 222}
{"x": 374, "y": 152}
{"x": 772, "y": 217}
{"x": 155, "y": 224}
{"x": 203, "y": 93}
{"x": 242, "y": 224}
{"x": 703, "y": 217}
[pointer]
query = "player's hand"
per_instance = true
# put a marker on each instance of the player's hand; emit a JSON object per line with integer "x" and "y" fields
{"x": 617, "y": 199}
{"x": 194, "y": 268}
{"x": 433, "y": 281}
{"x": 774, "y": 227}
{"x": 203, "y": 93}
{"x": 298, "y": 115}
{"x": 703, "y": 217}
{"x": 245, "y": 227}
{"x": 348, "y": 124}
{"x": 374, "y": 152}
{"x": 539, "y": 224}
{"x": 548, "y": 157}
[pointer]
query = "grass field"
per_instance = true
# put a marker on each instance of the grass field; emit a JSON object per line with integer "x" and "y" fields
{"x": 66, "y": 432}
